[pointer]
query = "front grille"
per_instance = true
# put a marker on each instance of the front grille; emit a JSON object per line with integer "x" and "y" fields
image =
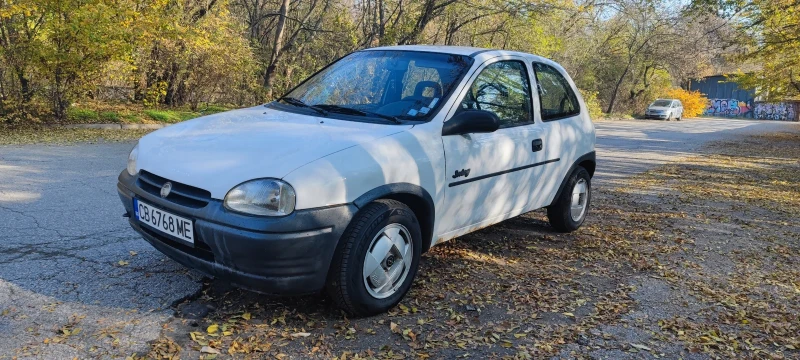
{"x": 181, "y": 194}
{"x": 200, "y": 249}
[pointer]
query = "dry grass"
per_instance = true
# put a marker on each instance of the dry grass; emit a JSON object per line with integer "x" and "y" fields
{"x": 55, "y": 135}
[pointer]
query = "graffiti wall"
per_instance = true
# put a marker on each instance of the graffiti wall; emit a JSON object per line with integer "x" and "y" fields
{"x": 729, "y": 108}
{"x": 726, "y": 99}
{"x": 786, "y": 111}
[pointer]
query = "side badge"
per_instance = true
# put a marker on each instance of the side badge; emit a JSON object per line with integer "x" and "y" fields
{"x": 460, "y": 173}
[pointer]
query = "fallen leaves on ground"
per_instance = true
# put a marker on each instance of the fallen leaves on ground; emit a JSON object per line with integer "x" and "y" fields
{"x": 696, "y": 256}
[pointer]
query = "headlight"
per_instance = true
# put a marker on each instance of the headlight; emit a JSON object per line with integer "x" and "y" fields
{"x": 132, "y": 160}
{"x": 267, "y": 197}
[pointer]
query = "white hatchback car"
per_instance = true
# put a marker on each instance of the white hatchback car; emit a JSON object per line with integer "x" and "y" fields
{"x": 346, "y": 180}
{"x": 666, "y": 109}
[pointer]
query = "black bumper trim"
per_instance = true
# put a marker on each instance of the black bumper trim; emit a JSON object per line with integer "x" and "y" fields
{"x": 284, "y": 255}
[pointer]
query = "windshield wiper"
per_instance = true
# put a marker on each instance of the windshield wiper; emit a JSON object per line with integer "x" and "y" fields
{"x": 300, "y": 103}
{"x": 351, "y": 111}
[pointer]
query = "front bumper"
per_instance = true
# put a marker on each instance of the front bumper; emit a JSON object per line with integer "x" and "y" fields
{"x": 656, "y": 116}
{"x": 278, "y": 255}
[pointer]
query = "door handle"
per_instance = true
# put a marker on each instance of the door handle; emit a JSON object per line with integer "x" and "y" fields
{"x": 536, "y": 145}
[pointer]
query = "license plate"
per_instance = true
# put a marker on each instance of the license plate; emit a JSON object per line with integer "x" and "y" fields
{"x": 170, "y": 224}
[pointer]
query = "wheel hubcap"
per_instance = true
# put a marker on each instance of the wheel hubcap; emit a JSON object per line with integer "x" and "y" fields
{"x": 579, "y": 197}
{"x": 388, "y": 261}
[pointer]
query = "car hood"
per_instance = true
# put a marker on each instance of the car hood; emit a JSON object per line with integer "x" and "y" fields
{"x": 658, "y": 108}
{"x": 220, "y": 151}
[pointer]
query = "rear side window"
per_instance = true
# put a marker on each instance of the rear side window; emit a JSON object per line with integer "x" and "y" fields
{"x": 555, "y": 95}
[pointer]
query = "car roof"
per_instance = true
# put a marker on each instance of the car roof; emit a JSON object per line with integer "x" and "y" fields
{"x": 475, "y": 52}
{"x": 457, "y": 50}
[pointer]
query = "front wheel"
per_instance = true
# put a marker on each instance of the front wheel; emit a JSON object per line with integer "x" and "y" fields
{"x": 378, "y": 259}
{"x": 569, "y": 210}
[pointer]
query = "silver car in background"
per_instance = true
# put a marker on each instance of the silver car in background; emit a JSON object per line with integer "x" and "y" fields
{"x": 665, "y": 109}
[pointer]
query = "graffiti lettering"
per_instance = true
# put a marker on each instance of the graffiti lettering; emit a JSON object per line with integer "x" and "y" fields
{"x": 745, "y": 109}
{"x": 776, "y": 111}
{"x": 729, "y": 108}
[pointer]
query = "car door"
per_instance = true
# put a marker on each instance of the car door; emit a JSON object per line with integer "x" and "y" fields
{"x": 488, "y": 175}
{"x": 562, "y": 126}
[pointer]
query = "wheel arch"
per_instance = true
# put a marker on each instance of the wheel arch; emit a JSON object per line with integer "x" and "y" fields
{"x": 587, "y": 161}
{"x": 415, "y": 197}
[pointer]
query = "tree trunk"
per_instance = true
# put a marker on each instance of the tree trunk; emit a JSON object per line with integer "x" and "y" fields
{"x": 269, "y": 76}
{"x": 382, "y": 25}
{"x": 616, "y": 89}
{"x": 24, "y": 85}
{"x": 425, "y": 17}
{"x": 60, "y": 103}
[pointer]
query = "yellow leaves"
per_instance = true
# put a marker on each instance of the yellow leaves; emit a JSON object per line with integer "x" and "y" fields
{"x": 164, "y": 348}
{"x": 409, "y": 334}
{"x": 196, "y": 336}
{"x": 694, "y": 103}
{"x": 122, "y": 263}
{"x": 212, "y": 329}
{"x": 67, "y": 331}
{"x": 246, "y": 316}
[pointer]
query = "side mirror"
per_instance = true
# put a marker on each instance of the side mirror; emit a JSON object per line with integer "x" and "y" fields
{"x": 471, "y": 121}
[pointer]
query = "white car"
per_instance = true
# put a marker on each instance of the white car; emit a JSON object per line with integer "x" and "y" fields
{"x": 666, "y": 109}
{"x": 342, "y": 184}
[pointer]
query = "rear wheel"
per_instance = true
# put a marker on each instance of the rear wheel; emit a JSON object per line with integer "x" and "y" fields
{"x": 378, "y": 259}
{"x": 569, "y": 210}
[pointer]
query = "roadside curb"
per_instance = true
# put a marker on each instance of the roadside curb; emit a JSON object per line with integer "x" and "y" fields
{"x": 116, "y": 126}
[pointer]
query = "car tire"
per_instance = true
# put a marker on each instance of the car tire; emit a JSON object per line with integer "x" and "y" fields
{"x": 381, "y": 237}
{"x": 578, "y": 188}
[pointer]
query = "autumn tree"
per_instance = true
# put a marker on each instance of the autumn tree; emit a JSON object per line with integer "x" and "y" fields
{"x": 65, "y": 43}
{"x": 775, "y": 26}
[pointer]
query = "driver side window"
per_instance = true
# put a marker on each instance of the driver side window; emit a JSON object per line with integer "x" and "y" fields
{"x": 504, "y": 89}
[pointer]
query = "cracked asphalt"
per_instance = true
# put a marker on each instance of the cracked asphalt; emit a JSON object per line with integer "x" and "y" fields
{"x": 68, "y": 259}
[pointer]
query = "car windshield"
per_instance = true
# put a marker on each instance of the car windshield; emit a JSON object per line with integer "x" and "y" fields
{"x": 392, "y": 85}
{"x": 661, "y": 103}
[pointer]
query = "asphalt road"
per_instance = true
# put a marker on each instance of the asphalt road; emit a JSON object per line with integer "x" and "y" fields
{"x": 67, "y": 252}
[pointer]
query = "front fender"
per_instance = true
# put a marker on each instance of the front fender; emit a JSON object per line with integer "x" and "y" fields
{"x": 347, "y": 175}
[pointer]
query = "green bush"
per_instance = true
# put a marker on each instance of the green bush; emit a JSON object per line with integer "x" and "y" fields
{"x": 77, "y": 115}
{"x": 592, "y": 103}
{"x": 109, "y": 116}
